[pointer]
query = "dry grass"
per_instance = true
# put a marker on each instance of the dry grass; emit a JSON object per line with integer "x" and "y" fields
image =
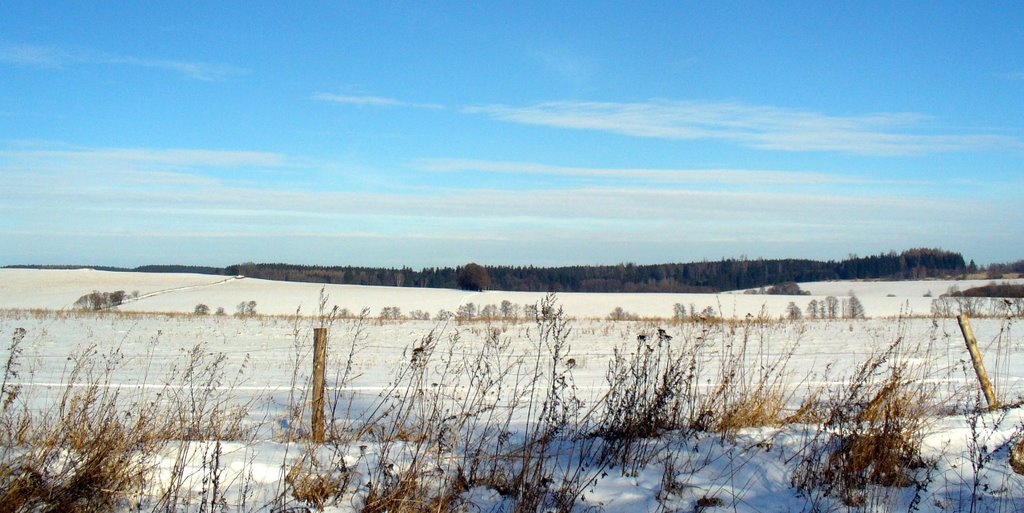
{"x": 756, "y": 409}
{"x": 446, "y": 422}
{"x": 462, "y": 414}
{"x": 659, "y": 385}
{"x": 317, "y": 484}
{"x": 753, "y": 380}
{"x": 88, "y": 453}
{"x": 96, "y": 447}
{"x": 408, "y": 492}
{"x": 884, "y": 444}
{"x": 872, "y": 430}
{"x": 1017, "y": 456}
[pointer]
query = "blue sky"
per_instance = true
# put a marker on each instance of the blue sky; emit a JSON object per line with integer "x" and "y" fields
{"x": 432, "y": 134}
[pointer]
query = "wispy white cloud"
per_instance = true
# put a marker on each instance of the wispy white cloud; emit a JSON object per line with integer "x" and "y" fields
{"x": 524, "y": 226}
{"x": 42, "y": 56}
{"x": 192, "y": 69}
{"x": 718, "y": 176}
{"x": 133, "y": 157}
{"x": 276, "y": 235}
{"x": 755, "y": 126}
{"x": 35, "y": 55}
{"x": 132, "y": 193}
{"x": 573, "y": 209}
{"x": 371, "y": 101}
{"x": 71, "y": 170}
{"x": 182, "y": 179}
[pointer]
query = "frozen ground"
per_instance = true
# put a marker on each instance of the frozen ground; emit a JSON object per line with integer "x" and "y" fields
{"x": 262, "y": 363}
{"x": 58, "y": 289}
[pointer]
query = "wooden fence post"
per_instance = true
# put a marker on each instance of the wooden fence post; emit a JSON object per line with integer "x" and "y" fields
{"x": 979, "y": 366}
{"x": 319, "y": 367}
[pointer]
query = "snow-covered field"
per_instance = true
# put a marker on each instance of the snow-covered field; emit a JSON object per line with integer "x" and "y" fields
{"x": 58, "y": 289}
{"x": 254, "y": 373}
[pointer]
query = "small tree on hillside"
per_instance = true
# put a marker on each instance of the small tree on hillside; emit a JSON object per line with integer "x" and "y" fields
{"x": 473, "y": 277}
{"x": 619, "y": 314}
{"x": 793, "y": 312}
{"x": 246, "y": 309}
{"x": 530, "y": 311}
{"x": 679, "y": 311}
{"x": 856, "y": 307}
{"x": 831, "y": 308}
{"x": 466, "y": 312}
{"x": 391, "y": 313}
{"x": 97, "y": 300}
{"x": 509, "y": 310}
{"x": 812, "y": 309}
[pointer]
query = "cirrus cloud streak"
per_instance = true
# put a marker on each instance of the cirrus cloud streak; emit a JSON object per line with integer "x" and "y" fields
{"x": 43, "y": 56}
{"x": 716, "y": 176}
{"x": 756, "y": 126}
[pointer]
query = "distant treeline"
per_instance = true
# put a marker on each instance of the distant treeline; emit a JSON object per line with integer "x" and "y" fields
{"x": 191, "y": 269}
{"x": 991, "y": 290}
{"x": 997, "y": 270}
{"x": 728, "y": 274}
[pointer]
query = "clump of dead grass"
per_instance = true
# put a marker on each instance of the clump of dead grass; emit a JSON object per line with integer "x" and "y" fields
{"x": 872, "y": 431}
{"x": 97, "y": 446}
{"x": 716, "y": 378}
{"x": 492, "y": 417}
{"x": 88, "y": 453}
{"x": 315, "y": 483}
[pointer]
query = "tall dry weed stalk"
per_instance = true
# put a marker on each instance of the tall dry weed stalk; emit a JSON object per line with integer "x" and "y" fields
{"x": 650, "y": 389}
{"x": 96, "y": 446}
{"x": 86, "y": 453}
{"x": 453, "y": 419}
{"x": 872, "y": 431}
{"x": 718, "y": 377}
{"x": 556, "y": 461}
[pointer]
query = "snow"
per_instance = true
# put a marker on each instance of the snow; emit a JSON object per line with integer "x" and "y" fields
{"x": 58, "y": 289}
{"x": 903, "y": 289}
{"x": 264, "y": 364}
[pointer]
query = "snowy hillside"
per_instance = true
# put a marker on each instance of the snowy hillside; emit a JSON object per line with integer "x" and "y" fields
{"x": 58, "y": 289}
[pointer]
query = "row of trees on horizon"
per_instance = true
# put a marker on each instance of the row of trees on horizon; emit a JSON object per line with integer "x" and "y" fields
{"x": 703, "y": 276}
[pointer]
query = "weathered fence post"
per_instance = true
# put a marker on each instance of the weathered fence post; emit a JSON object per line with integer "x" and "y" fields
{"x": 979, "y": 366}
{"x": 319, "y": 366}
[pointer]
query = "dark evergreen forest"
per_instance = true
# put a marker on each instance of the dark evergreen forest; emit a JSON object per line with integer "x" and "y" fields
{"x": 704, "y": 276}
